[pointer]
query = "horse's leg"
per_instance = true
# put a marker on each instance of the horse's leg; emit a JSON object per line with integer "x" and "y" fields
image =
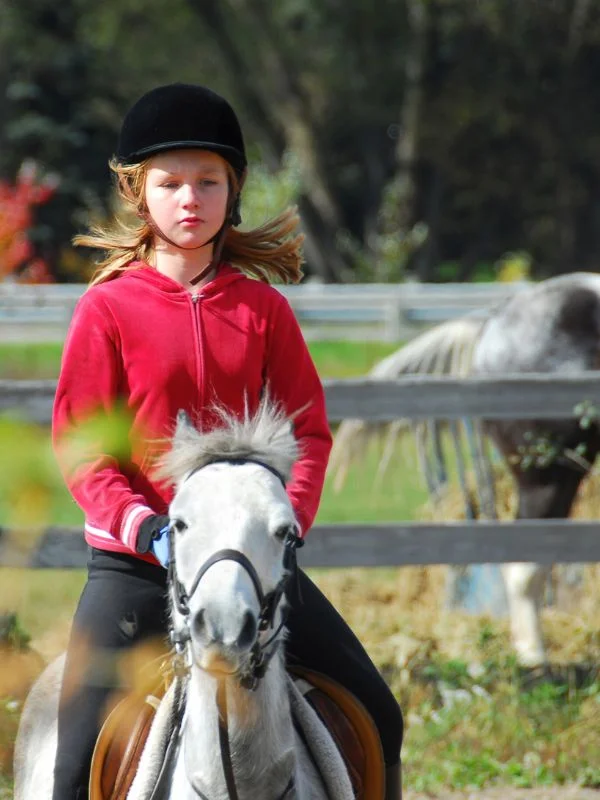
{"x": 543, "y": 494}
{"x": 524, "y": 584}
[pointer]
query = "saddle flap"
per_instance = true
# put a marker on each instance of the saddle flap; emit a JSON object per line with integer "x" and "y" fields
{"x": 119, "y": 747}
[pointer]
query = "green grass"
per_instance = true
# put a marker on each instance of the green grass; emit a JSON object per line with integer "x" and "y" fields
{"x": 495, "y": 730}
{"x": 24, "y": 361}
{"x": 333, "y": 359}
{"x": 44, "y": 600}
{"x": 398, "y": 495}
{"x": 348, "y": 359}
{"x": 38, "y": 496}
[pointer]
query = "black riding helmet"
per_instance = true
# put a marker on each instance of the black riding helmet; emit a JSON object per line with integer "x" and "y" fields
{"x": 178, "y": 116}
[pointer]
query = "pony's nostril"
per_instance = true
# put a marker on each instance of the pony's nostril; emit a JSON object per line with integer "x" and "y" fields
{"x": 248, "y": 632}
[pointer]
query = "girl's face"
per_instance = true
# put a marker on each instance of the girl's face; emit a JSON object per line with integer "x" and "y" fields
{"x": 186, "y": 195}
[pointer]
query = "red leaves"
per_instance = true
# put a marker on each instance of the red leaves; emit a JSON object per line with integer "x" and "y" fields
{"x": 16, "y": 204}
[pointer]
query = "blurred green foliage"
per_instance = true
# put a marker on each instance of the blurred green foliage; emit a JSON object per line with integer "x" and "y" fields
{"x": 32, "y": 492}
{"x": 29, "y": 477}
{"x": 267, "y": 193}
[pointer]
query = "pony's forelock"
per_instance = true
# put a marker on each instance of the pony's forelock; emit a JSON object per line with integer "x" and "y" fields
{"x": 265, "y": 436}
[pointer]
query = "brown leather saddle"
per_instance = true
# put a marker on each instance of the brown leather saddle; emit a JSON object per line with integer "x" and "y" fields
{"x": 122, "y": 738}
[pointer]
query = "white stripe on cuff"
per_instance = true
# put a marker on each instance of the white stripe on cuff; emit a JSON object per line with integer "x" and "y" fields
{"x": 130, "y": 524}
{"x": 98, "y": 532}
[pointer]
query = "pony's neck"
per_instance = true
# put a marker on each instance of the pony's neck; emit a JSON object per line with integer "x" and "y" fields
{"x": 261, "y": 735}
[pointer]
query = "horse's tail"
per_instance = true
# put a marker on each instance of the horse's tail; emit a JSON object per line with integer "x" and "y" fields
{"x": 446, "y": 349}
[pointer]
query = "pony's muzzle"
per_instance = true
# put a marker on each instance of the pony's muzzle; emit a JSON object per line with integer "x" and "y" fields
{"x": 231, "y": 637}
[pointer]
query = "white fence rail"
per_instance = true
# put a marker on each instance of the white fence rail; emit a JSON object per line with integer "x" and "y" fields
{"x": 386, "y": 312}
{"x": 511, "y": 396}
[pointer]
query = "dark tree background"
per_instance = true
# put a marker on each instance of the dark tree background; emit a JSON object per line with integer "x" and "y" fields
{"x": 477, "y": 121}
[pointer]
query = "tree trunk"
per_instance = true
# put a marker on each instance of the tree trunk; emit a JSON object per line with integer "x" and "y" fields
{"x": 280, "y": 115}
{"x": 408, "y": 142}
{"x": 579, "y": 18}
{"x": 398, "y": 208}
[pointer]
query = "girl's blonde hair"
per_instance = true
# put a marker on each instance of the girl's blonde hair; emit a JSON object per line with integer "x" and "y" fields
{"x": 270, "y": 252}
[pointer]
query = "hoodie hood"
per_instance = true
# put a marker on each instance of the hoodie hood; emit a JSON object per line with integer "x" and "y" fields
{"x": 226, "y": 275}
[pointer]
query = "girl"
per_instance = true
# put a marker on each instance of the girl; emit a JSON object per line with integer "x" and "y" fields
{"x": 176, "y": 318}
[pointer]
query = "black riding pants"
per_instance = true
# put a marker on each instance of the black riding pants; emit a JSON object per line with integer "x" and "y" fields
{"x": 124, "y": 604}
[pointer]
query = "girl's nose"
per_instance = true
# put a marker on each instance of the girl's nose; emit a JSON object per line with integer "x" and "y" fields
{"x": 190, "y": 195}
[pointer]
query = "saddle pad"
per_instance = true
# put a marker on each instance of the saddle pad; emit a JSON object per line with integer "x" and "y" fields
{"x": 352, "y": 729}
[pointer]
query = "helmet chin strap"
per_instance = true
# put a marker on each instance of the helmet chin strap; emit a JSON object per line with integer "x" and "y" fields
{"x": 218, "y": 241}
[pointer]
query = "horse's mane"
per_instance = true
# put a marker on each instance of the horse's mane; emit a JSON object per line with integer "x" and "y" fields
{"x": 267, "y": 436}
{"x": 445, "y": 349}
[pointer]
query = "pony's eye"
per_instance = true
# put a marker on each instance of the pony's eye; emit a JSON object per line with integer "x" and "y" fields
{"x": 179, "y": 525}
{"x": 283, "y": 531}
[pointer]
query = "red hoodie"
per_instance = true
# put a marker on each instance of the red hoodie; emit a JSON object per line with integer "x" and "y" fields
{"x": 143, "y": 342}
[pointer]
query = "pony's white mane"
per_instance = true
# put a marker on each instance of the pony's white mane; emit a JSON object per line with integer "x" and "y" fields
{"x": 266, "y": 436}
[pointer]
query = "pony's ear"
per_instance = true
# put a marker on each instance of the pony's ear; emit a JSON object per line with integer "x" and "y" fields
{"x": 286, "y": 428}
{"x": 184, "y": 423}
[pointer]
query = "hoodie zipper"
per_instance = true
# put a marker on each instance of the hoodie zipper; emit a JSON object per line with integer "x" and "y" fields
{"x": 196, "y": 297}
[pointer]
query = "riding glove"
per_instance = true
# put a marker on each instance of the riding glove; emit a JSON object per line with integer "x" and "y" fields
{"x": 153, "y": 537}
{"x": 160, "y": 546}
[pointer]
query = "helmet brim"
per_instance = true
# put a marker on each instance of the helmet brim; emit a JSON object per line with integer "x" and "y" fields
{"x": 230, "y": 154}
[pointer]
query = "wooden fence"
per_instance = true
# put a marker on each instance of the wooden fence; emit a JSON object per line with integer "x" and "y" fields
{"x": 344, "y": 545}
{"x": 532, "y": 396}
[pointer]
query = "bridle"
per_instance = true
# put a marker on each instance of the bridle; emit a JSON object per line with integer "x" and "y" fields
{"x": 268, "y": 602}
{"x": 260, "y": 655}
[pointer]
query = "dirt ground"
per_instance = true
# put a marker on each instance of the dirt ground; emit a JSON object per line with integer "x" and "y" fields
{"x": 506, "y": 793}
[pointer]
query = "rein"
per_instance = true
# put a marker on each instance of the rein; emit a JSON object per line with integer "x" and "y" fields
{"x": 259, "y": 656}
{"x": 226, "y": 754}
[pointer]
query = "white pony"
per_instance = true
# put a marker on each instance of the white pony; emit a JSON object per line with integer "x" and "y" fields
{"x": 227, "y": 720}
